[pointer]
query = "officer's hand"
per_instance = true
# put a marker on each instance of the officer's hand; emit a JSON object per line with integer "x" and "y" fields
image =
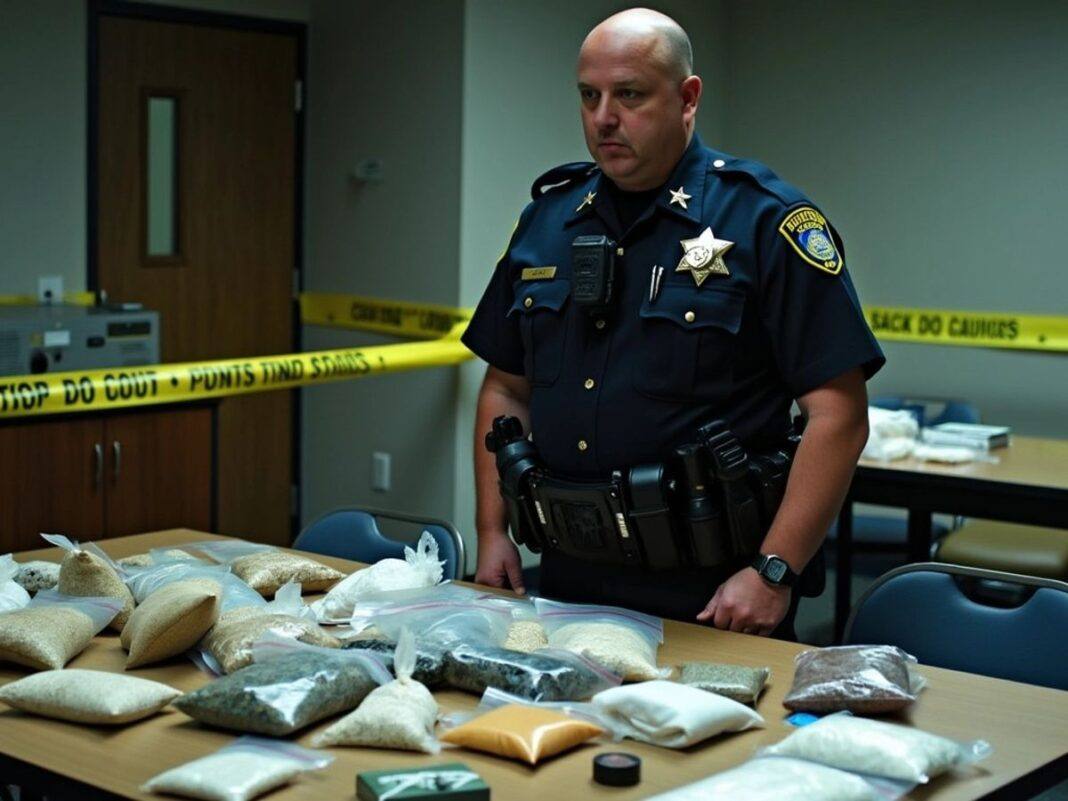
{"x": 498, "y": 563}
{"x": 747, "y": 603}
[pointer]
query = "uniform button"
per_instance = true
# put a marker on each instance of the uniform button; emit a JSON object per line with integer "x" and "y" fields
{"x": 600, "y": 325}
{"x": 690, "y": 316}
{"x": 718, "y": 163}
{"x": 528, "y": 302}
{"x": 582, "y": 445}
{"x": 588, "y": 383}
{"x": 619, "y": 251}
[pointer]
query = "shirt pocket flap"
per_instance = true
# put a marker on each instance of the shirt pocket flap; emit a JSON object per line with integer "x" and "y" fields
{"x": 694, "y": 307}
{"x": 532, "y": 296}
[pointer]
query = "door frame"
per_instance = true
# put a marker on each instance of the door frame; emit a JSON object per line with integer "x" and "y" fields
{"x": 98, "y": 9}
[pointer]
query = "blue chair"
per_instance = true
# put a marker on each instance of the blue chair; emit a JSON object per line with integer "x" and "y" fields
{"x": 964, "y": 618}
{"x": 352, "y": 533}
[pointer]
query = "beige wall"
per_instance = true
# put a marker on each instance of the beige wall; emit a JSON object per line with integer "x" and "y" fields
{"x": 933, "y": 135}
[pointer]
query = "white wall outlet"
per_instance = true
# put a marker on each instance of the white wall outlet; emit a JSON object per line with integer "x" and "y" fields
{"x": 380, "y": 471}
{"x": 50, "y": 289}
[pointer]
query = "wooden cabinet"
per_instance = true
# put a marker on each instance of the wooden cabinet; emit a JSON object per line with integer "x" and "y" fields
{"x": 91, "y": 477}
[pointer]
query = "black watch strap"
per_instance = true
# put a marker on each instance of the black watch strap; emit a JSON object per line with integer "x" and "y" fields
{"x": 774, "y": 570}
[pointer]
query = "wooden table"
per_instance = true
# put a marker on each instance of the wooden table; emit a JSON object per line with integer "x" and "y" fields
{"x": 1025, "y": 724}
{"x": 1028, "y": 484}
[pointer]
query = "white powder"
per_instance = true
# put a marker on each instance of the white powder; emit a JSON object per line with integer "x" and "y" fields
{"x": 226, "y": 776}
{"x": 88, "y": 696}
{"x": 673, "y": 715}
{"x": 775, "y": 779}
{"x": 875, "y": 747}
{"x": 618, "y": 648}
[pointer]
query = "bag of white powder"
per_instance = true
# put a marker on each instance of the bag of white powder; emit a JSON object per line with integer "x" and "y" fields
{"x": 243, "y": 770}
{"x": 88, "y": 696}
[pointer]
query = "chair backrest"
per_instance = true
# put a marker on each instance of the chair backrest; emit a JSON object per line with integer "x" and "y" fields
{"x": 956, "y": 411}
{"x": 951, "y": 411}
{"x": 353, "y": 533}
{"x": 923, "y": 609}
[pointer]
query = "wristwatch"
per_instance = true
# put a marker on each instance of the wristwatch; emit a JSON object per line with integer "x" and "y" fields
{"x": 774, "y": 570}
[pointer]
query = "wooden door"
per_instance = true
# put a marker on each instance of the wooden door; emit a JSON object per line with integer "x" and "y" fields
{"x": 51, "y": 480}
{"x": 227, "y": 290}
{"x": 158, "y": 471}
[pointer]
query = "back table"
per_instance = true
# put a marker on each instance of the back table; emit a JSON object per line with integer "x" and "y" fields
{"x": 1028, "y": 727}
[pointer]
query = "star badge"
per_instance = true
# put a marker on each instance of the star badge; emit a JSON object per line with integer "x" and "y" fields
{"x": 704, "y": 256}
{"x": 586, "y": 201}
{"x": 679, "y": 196}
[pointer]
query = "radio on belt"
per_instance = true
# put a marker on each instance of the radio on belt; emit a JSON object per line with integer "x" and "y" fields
{"x": 593, "y": 268}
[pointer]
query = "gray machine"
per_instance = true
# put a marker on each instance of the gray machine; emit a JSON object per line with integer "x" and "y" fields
{"x": 44, "y": 339}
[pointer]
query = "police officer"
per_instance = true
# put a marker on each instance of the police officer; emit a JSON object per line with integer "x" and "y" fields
{"x": 730, "y": 300}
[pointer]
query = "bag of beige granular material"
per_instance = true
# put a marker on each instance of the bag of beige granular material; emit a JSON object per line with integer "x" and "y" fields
{"x": 53, "y": 629}
{"x": 88, "y": 696}
{"x": 12, "y": 595}
{"x": 90, "y": 572}
{"x": 171, "y": 621}
{"x": 266, "y": 569}
{"x": 400, "y": 714}
{"x": 155, "y": 557}
{"x": 621, "y": 640}
{"x": 228, "y": 646}
{"x": 243, "y": 770}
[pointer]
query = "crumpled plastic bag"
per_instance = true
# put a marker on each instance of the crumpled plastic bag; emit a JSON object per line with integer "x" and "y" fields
{"x": 419, "y": 568}
{"x": 12, "y": 595}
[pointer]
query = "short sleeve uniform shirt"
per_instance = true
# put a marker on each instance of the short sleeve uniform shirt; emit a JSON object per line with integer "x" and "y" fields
{"x": 761, "y": 312}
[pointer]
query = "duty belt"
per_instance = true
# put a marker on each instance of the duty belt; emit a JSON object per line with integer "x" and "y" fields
{"x": 709, "y": 506}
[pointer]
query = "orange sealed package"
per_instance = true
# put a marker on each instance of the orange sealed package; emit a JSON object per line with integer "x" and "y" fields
{"x": 521, "y": 732}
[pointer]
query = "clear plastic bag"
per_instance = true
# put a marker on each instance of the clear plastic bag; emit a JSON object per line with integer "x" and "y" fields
{"x": 266, "y": 568}
{"x": 53, "y": 628}
{"x": 228, "y": 646}
{"x": 429, "y": 667}
{"x": 38, "y": 575}
{"x": 400, "y": 714}
{"x": 289, "y": 686}
{"x": 243, "y": 770}
{"x": 737, "y": 682}
{"x": 420, "y": 568}
{"x": 545, "y": 675}
{"x": 878, "y": 748}
{"x": 171, "y": 621}
{"x": 443, "y": 625}
{"x": 525, "y": 732}
{"x": 673, "y": 715}
{"x": 88, "y": 571}
{"x": 493, "y": 698}
{"x": 12, "y": 595}
{"x": 96, "y": 697}
{"x": 782, "y": 779}
{"x": 235, "y": 593}
{"x": 866, "y": 679}
{"x": 621, "y": 640}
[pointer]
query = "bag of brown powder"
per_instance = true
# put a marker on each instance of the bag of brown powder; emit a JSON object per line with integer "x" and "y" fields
{"x": 266, "y": 569}
{"x": 866, "y": 679}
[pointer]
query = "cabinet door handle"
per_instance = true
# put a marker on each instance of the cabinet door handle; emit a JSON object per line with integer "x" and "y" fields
{"x": 98, "y": 465}
{"x": 116, "y": 451}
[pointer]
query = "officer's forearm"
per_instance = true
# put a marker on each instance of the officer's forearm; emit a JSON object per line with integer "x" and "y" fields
{"x": 501, "y": 394}
{"x": 834, "y": 436}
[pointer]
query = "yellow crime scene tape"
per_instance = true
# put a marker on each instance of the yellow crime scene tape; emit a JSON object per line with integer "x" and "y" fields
{"x": 969, "y": 328}
{"x": 114, "y": 388}
{"x": 417, "y": 320}
{"x": 72, "y": 298}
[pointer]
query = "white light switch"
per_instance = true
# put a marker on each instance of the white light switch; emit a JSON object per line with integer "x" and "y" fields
{"x": 50, "y": 289}
{"x": 380, "y": 469}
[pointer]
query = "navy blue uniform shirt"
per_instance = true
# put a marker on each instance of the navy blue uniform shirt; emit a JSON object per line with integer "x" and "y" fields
{"x": 624, "y": 388}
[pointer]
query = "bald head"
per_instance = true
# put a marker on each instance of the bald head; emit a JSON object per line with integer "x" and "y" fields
{"x": 643, "y": 31}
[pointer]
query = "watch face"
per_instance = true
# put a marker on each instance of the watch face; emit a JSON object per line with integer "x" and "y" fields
{"x": 775, "y": 570}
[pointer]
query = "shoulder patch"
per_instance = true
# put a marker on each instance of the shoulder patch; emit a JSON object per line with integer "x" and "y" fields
{"x": 809, "y": 233}
{"x": 560, "y": 176}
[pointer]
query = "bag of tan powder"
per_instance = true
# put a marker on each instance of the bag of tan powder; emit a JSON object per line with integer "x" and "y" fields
{"x": 267, "y": 569}
{"x": 53, "y": 629}
{"x": 171, "y": 621}
{"x": 90, "y": 572}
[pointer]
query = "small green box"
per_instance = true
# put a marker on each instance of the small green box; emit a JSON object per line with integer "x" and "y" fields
{"x": 454, "y": 781}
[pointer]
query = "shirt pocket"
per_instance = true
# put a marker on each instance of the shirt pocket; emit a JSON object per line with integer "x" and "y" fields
{"x": 688, "y": 341}
{"x": 542, "y": 326}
